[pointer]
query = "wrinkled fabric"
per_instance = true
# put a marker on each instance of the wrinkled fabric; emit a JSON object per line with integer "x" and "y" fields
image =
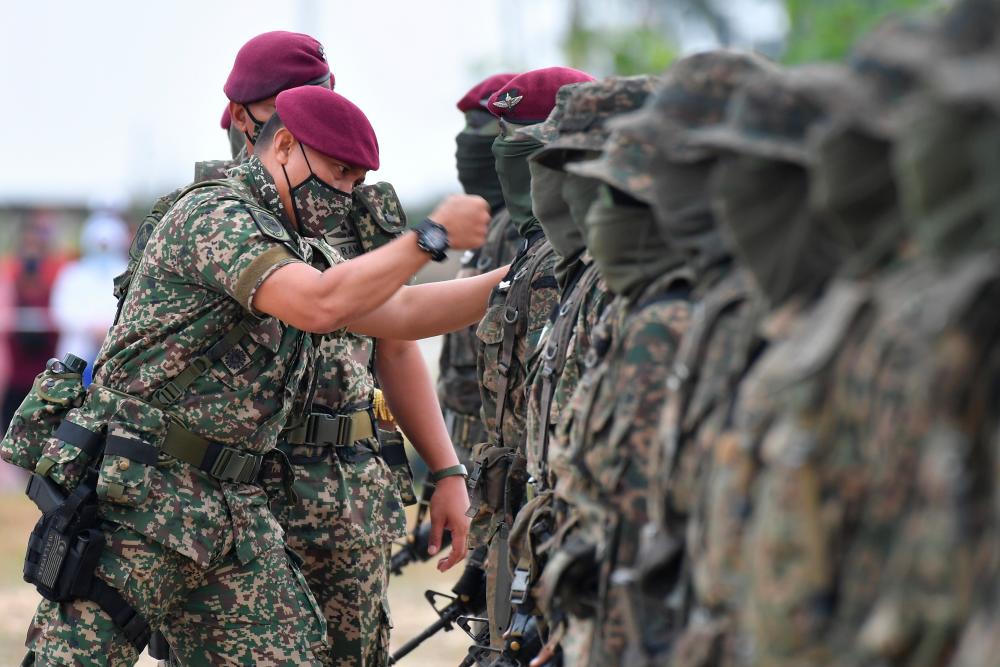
{"x": 762, "y": 207}
{"x": 579, "y": 192}
{"x": 515, "y": 180}
{"x": 625, "y": 242}
{"x": 477, "y": 171}
{"x": 553, "y": 211}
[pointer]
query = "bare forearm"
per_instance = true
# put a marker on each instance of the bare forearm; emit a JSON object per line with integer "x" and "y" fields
{"x": 422, "y": 311}
{"x": 409, "y": 390}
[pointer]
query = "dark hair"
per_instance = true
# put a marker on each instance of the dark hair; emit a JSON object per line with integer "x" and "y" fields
{"x": 266, "y": 135}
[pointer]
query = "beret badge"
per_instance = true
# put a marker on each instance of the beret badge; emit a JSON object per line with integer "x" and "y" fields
{"x": 510, "y": 99}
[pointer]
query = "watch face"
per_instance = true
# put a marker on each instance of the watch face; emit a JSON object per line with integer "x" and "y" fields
{"x": 435, "y": 238}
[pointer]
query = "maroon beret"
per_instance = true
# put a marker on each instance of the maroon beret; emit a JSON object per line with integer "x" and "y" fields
{"x": 329, "y": 123}
{"x": 226, "y": 119}
{"x": 276, "y": 61}
{"x": 530, "y": 97}
{"x": 475, "y": 99}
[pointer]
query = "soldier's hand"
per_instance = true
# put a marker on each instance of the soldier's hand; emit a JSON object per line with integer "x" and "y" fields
{"x": 465, "y": 217}
{"x": 448, "y": 506}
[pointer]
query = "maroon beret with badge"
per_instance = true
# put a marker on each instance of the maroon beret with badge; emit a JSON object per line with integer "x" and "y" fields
{"x": 226, "y": 120}
{"x": 479, "y": 94}
{"x": 329, "y": 123}
{"x": 276, "y": 61}
{"x": 530, "y": 97}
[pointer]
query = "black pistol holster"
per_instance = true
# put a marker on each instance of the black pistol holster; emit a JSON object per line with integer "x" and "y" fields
{"x": 64, "y": 550}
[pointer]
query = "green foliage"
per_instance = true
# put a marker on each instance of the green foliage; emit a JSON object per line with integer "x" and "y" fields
{"x": 619, "y": 51}
{"x": 826, "y": 29}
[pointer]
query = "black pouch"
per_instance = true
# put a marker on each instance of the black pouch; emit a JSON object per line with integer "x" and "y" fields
{"x": 392, "y": 449}
{"x": 490, "y": 471}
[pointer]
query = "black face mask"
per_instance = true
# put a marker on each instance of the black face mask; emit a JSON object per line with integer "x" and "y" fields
{"x": 257, "y": 126}
{"x": 477, "y": 170}
{"x": 515, "y": 180}
{"x": 318, "y": 206}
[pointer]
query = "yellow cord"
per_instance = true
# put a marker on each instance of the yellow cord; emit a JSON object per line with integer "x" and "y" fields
{"x": 381, "y": 408}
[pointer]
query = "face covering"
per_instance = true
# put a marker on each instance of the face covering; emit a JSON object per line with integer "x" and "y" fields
{"x": 851, "y": 183}
{"x": 477, "y": 169}
{"x": 236, "y": 142}
{"x": 318, "y": 206}
{"x": 946, "y": 165}
{"x": 623, "y": 240}
{"x": 684, "y": 212}
{"x": 257, "y": 126}
{"x": 553, "y": 212}
{"x": 763, "y": 210}
{"x": 580, "y": 192}
{"x": 515, "y": 181}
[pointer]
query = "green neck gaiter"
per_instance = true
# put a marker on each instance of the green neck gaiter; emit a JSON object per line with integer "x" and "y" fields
{"x": 623, "y": 239}
{"x": 553, "y": 212}
{"x": 946, "y": 164}
{"x": 237, "y": 142}
{"x": 852, "y": 185}
{"x": 763, "y": 210}
{"x": 683, "y": 209}
{"x": 580, "y": 192}
{"x": 477, "y": 171}
{"x": 515, "y": 181}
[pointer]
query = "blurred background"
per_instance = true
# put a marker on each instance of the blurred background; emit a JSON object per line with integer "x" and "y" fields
{"x": 108, "y": 104}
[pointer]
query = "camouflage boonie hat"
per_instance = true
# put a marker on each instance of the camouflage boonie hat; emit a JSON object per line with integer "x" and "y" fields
{"x": 772, "y": 116}
{"x": 583, "y": 125}
{"x": 889, "y": 65}
{"x": 970, "y": 27}
{"x": 693, "y": 93}
{"x": 971, "y": 80}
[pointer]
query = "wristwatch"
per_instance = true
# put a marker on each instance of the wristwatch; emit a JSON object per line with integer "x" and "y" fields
{"x": 451, "y": 471}
{"x": 432, "y": 238}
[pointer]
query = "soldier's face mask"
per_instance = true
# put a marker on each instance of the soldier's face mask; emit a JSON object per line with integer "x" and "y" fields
{"x": 553, "y": 212}
{"x": 851, "y": 182}
{"x": 236, "y": 142}
{"x": 946, "y": 164}
{"x": 763, "y": 210}
{"x": 477, "y": 169}
{"x": 318, "y": 206}
{"x": 257, "y": 126}
{"x": 515, "y": 181}
{"x": 625, "y": 243}
{"x": 683, "y": 209}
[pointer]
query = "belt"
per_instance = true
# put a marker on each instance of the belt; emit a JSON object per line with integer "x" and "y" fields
{"x": 333, "y": 430}
{"x": 465, "y": 430}
{"x": 223, "y": 463}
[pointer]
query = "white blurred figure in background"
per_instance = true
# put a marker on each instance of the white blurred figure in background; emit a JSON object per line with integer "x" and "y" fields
{"x": 82, "y": 306}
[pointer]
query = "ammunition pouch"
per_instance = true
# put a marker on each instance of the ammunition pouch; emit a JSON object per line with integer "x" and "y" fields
{"x": 492, "y": 470}
{"x": 465, "y": 430}
{"x": 64, "y": 551}
{"x": 569, "y": 582}
{"x": 33, "y": 430}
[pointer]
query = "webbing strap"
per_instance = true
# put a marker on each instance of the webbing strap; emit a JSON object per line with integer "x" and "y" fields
{"x": 86, "y": 440}
{"x": 333, "y": 430}
{"x": 171, "y": 392}
{"x": 223, "y": 463}
{"x": 129, "y": 621}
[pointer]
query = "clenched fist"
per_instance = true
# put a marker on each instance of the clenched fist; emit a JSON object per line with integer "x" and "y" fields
{"x": 465, "y": 218}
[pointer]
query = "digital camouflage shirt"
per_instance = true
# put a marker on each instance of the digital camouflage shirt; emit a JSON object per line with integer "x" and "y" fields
{"x": 196, "y": 280}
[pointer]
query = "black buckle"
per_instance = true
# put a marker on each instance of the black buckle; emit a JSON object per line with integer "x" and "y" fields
{"x": 519, "y": 586}
{"x": 232, "y": 465}
{"x": 168, "y": 393}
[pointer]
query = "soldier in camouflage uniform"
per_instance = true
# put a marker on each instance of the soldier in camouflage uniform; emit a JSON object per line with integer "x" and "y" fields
{"x": 612, "y": 413}
{"x": 866, "y": 514}
{"x": 191, "y": 546}
{"x": 518, "y": 310}
{"x": 575, "y": 130}
{"x": 458, "y": 385}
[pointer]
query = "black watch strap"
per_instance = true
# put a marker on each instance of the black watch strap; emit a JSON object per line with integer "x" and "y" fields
{"x": 432, "y": 238}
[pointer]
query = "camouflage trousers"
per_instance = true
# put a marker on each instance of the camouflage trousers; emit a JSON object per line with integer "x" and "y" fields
{"x": 345, "y": 516}
{"x": 350, "y": 585}
{"x": 260, "y": 613}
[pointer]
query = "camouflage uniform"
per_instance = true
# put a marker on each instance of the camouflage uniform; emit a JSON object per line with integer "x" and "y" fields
{"x": 613, "y": 414}
{"x": 199, "y": 557}
{"x": 866, "y": 514}
{"x": 345, "y": 509}
{"x": 458, "y": 382}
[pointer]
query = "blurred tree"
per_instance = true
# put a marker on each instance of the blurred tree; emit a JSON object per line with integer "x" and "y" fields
{"x": 637, "y": 40}
{"x": 826, "y": 29}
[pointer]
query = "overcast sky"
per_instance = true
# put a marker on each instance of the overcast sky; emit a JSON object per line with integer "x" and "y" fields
{"x": 112, "y": 99}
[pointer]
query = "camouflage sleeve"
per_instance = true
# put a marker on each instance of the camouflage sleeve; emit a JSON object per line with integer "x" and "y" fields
{"x": 225, "y": 248}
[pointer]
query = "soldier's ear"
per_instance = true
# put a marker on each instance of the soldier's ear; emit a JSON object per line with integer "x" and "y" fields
{"x": 240, "y": 119}
{"x": 282, "y": 144}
